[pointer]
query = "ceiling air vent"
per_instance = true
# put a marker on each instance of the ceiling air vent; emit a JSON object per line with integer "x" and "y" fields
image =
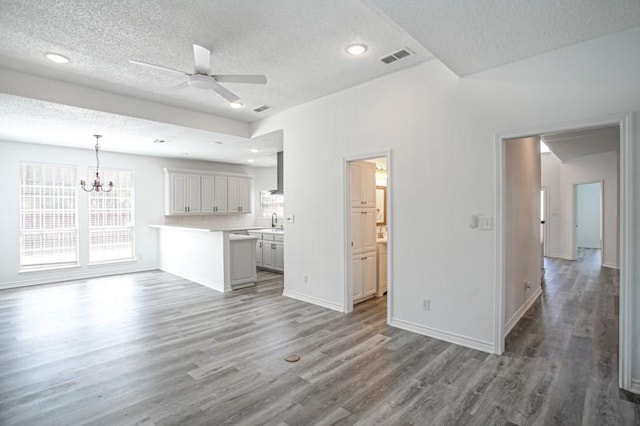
{"x": 396, "y": 56}
{"x": 262, "y": 108}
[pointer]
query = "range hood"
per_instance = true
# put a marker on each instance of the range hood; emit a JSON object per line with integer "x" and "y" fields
{"x": 280, "y": 188}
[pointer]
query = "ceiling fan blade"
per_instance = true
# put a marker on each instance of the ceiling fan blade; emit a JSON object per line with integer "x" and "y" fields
{"x": 159, "y": 67}
{"x": 250, "y": 79}
{"x": 179, "y": 86}
{"x": 227, "y": 94}
{"x": 202, "y": 57}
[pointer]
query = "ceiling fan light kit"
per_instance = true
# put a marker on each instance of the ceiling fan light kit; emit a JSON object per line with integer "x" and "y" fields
{"x": 201, "y": 78}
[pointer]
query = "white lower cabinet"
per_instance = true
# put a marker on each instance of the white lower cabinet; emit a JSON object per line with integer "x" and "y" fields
{"x": 382, "y": 269}
{"x": 363, "y": 275}
{"x": 269, "y": 251}
{"x": 273, "y": 255}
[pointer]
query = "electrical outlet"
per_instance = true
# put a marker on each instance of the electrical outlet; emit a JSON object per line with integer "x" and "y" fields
{"x": 305, "y": 278}
{"x": 426, "y": 304}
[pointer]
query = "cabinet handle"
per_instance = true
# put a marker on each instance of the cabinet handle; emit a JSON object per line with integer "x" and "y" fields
{"x": 260, "y": 245}
{"x": 188, "y": 209}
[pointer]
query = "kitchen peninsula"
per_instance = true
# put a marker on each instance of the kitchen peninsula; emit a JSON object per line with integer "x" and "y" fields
{"x": 216, "y": 258}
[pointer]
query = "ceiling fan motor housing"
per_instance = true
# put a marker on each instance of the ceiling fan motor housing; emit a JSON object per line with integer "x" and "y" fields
{"x": 201, "y": 81}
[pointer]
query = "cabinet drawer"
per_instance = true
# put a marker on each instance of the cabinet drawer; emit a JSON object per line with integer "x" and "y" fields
{"x": 273, "y": 237}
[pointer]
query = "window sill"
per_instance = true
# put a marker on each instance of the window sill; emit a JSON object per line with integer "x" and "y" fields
{"x": 46, "y": 268}
{"x": 113, "y": 262}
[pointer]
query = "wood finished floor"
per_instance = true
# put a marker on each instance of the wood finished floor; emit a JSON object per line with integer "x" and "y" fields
{"x": 151, "y": 348}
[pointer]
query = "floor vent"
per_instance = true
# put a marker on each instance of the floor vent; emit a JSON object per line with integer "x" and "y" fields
{"x": 262, "y": 108}
{"x": 400, "y": 54}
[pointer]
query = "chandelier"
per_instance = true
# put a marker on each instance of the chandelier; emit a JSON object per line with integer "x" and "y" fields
{"x": 96, "y": 185}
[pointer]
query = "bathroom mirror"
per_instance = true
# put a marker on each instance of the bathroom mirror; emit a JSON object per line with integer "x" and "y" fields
{"x": 381, "y": 205}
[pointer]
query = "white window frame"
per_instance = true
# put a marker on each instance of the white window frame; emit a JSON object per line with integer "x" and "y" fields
{"x": 268, "y": 213}
{"x": 23, "y": 232}
{"x": 106, "y": 175}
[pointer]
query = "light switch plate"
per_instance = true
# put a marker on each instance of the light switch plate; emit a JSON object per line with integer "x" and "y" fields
{"x": 291, "y": 218}
{"x": 485, "y": 222}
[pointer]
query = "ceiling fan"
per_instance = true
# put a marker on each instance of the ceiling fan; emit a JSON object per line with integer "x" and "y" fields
{"x": 202, "y": 79}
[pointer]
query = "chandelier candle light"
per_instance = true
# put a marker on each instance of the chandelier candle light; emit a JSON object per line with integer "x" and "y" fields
{"x": 96, "y": 185}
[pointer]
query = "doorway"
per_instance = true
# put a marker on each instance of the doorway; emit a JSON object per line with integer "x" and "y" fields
{"x": 368, "y": 231}
{"x": 588, "y": 217}
{"x": 623, "y": 123}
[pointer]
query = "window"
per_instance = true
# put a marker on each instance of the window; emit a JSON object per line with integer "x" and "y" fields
{"x": 111, "y": 232}
{"x": 270, "y": 203}
{"x": 48, "y": 216}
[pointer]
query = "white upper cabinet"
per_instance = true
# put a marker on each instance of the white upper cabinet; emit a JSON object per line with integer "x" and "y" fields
{"x": 220, "y": 198}
{"x": 198, "y": 194}
{"x": 214, "y": 194}
{"x": 363, "y": 184}
{"x": 239, "y": 194}
{"x": 183, "y": 195}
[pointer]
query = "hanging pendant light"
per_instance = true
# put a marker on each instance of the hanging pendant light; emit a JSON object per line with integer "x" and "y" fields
{"x": 96, "y": 185}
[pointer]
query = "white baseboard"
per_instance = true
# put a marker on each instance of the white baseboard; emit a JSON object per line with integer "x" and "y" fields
{"x": 73, "y": 277}
{"x": 196, "y": 279}
{"x": 610, "y": 265}
{"x": 523, "y": 310}
{"x": 635, "y": 386}
{"x": 313, "y": 300}
{"x": 443, "y": 335}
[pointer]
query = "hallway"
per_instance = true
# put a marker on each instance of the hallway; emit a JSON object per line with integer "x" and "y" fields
{"x": 570, "y": 341}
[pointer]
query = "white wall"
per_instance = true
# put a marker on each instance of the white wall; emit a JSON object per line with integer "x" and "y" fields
{"x": 441, "y": 130}
{"x": 522, "y": 223}
{"x": 149, "y": 206}
{"x": 588, "y": 215}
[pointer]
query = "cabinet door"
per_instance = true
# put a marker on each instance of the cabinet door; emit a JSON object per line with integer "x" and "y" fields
{"x": 259, "y": 253}
{"x": 356, "y": 230}
{"x": 193, "y": 191}
{"x": 369, "y": 273}
{"x": 220, "y": 197}
{"x": 278, "y": 258}
{"x": 356, "y": 277}
{"x": 355, "y": 184}
{"x": 245, "y": 195}
{"x": 178, "y": 193}
{"x": 368, "y": 184}
{"x": 382, "y": 270}
{"x": 233, "y": 194}
{"x": 268, "y": 254}
{"x": 208, "y": 194}
{"x": 368, "y": 229}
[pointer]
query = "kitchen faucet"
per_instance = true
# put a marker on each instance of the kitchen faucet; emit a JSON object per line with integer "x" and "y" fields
{"x": 274, "y": 219}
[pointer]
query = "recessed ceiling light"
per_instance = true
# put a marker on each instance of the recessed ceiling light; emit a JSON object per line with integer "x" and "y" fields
{"x": 57, "y": 58}
{"x": 235, "y": 105}
{"x": 255, "y": 151}
{"x": 251, "y": 160}
{"x": 356, "y": 49}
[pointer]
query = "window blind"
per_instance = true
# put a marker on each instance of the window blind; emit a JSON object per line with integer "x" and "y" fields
{"x": 48, "y": 215}
{"x": 111, "y": 218}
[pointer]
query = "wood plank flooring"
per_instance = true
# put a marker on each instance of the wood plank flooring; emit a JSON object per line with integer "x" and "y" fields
{"x": 154, "y": 349}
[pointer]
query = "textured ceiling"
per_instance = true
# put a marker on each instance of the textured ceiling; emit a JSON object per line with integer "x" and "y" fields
{"x": 473, "y": 36}
{"x": 299, "y": 45}
{"x": 581, "y": 143}
{"x": 68, "y": 126}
